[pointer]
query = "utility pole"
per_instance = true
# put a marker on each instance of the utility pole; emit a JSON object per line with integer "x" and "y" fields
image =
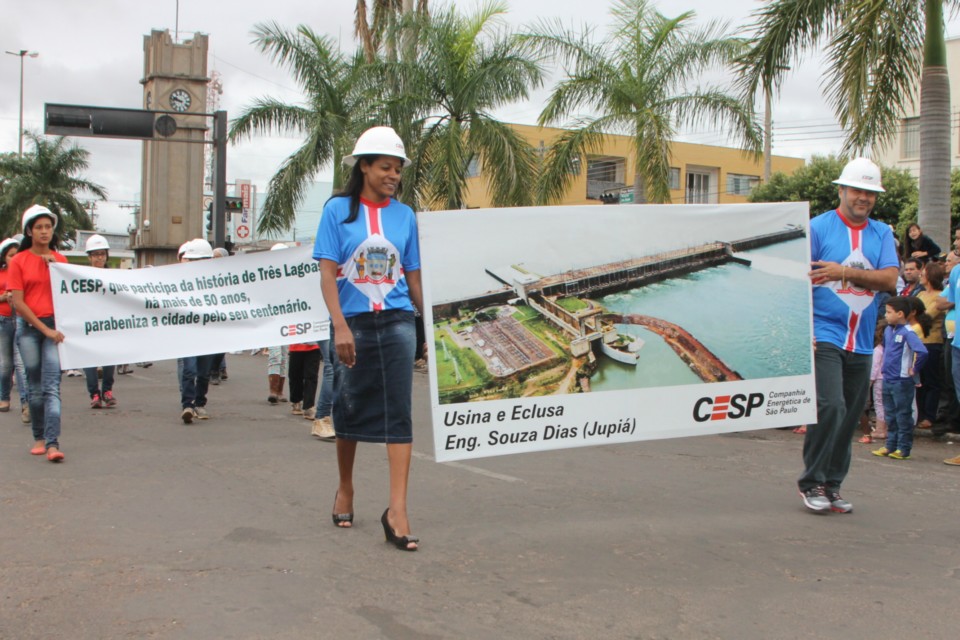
{"x": 23, "y": 53}
{"x": 219, "y": 177}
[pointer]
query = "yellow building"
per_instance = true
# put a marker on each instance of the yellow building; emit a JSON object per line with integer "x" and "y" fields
{"x": 699, "y": 173}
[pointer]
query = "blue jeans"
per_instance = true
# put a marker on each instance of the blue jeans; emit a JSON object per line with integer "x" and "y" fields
{"x": 194, "y": 375}
{"x": 325, "y": 400}
{"x": 42, "y": 363}
{"x": 898, "y": 407}
{"x": 10, "y": 361}
{"x": 93, "y": 386}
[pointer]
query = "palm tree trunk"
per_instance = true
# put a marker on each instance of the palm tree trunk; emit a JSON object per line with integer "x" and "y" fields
{"x": 934, "y": 215}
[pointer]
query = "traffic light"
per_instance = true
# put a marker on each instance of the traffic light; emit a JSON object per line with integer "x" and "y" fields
{"x": 210, "y": 217}
{"x": 106, "y": 122}
{"x": 233, "y": 204}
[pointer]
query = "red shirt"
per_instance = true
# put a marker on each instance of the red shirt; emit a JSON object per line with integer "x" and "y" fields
{"x": 5, "y": 308}
{"x": 30, "y": 273}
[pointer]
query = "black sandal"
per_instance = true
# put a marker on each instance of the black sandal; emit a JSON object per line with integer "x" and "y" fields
{"x": 340, "y": 519}
{"x": 401, "y": 542}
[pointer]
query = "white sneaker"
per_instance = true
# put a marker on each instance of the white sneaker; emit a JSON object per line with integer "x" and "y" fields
{"x": 310, "y": 414}
{"x": 323, "y": 429}
{"x": 296, "y": 408}
{"x": 201, "y": 413}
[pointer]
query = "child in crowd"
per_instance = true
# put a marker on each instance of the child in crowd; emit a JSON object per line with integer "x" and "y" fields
{"x": 879, "y": 431}
{"x": 903, "y": 355}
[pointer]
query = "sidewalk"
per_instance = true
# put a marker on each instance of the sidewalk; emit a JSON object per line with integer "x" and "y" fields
{"x": 221, "y": 529}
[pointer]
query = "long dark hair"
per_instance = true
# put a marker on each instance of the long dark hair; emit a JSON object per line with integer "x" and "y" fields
{"x": 908, "y": 245}
{"x": 354, "y": 187}
{"x": 27, "y": 241}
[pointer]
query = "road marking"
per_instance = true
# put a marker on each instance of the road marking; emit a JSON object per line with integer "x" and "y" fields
{"x": 467, "y": 467}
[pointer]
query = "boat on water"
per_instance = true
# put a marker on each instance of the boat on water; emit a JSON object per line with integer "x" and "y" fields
{"x": 624, "y": 349}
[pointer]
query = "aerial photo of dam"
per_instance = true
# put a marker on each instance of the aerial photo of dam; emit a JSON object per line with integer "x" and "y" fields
{"x": 728, "y": 309}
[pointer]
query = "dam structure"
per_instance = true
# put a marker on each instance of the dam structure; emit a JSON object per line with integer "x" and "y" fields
{"x": 590, "y": 324}
{"x": 636, "y": 272}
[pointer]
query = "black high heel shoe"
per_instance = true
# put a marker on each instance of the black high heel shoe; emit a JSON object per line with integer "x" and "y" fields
{"x": 401, "y": 542}
{"x": 340, "y": 520}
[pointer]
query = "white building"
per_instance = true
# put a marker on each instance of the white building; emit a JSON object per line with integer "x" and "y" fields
{"x": 903, "y": 150}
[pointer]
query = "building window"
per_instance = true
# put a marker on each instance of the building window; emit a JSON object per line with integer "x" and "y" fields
{"x": 604, "y": 174}
{"x": 698, "y": 187}
{"x": 473, "y": 167}
{"x": 910, "y": 138}
{"x": 674, "y": 178}
{"x": 741, "y": 185}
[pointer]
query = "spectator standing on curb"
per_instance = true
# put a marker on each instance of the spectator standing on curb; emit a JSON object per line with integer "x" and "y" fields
{"x": 101, "y": 391}
{"x": 931, "y": 375}
{"x": 853, "y": 257}
{"x": 37, "y": 333}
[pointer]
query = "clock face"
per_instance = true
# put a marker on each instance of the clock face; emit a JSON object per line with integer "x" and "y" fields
{"x": 179, "y": 100}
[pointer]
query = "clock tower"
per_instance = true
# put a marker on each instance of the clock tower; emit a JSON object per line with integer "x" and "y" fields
{"x": 171, "y": 200}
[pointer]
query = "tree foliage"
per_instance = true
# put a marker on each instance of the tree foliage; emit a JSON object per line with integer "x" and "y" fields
{"x": 440, "y": 99}
{"x": 637, "y": 79}
{"x": 48, "y": 176}
{"x": 333, "y": 84}
{"x": 813, "y": 183}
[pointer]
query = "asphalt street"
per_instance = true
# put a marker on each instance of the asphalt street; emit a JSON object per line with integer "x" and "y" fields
{"x": 221, "y": 529}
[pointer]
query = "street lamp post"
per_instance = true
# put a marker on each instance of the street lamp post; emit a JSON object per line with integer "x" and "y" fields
{"x": 22, "y": 54}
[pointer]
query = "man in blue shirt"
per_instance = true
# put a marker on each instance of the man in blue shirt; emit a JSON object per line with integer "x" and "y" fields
{"x": 853, "y": 257}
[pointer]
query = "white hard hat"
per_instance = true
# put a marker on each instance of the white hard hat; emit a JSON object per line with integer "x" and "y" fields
{"x": 378, "y": 141}
{"x": 35, "y": 212}
{"x": 196, "y": 249}
{"x": 861, "y": 173}
{"x": 9, "y": 242}
{"x": 97, "y": 242}
{"x": 278, "y": 247}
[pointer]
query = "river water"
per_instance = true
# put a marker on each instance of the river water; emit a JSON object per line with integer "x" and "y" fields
{"x": 756, "y": 319}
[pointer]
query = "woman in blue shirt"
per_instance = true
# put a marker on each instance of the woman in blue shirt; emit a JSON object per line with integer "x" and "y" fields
{"x": 369, "y": 257}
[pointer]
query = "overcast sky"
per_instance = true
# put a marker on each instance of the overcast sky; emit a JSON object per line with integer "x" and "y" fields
{"x": 91, "y": 53}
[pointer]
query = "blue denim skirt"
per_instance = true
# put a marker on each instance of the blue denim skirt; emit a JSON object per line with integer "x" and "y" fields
{"x": 373, "y": 400}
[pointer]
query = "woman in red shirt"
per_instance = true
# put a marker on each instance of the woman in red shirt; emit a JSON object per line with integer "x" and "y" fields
{"x": 9, "y": 356}
{"x": 37, "y": 334}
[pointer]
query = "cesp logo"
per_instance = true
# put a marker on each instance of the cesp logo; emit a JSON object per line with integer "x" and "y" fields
{"x": 298, "y": 329}
{"x": 726, "y": 407}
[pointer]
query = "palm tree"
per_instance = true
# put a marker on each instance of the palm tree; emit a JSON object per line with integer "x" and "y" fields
{"x": 46, "y": 176}
{"x": 877, "y": 51}
{"x": 385, "y": 16}
{"x": 636, "y": 80}
{"x": 441, "y": 99}
{"x": 334, "y": 88}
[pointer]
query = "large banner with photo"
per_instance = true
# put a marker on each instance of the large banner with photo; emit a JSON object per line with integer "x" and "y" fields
{"x": 556, "y": 327}
{"x": 114, "y": 316}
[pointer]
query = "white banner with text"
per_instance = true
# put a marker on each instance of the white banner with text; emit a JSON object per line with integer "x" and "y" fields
{"x": 116, "y": 316}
